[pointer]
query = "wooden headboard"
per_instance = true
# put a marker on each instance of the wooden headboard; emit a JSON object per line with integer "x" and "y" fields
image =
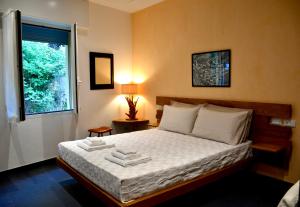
{"x": 268, "y": 137}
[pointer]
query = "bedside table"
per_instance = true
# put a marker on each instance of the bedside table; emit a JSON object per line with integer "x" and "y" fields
{"x": 124, "y": 125}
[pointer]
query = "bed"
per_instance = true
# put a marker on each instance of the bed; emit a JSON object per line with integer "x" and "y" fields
{"x": 180, "y": 162}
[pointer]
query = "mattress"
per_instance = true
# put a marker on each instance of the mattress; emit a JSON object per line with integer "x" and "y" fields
{"x": 175, "y": 157}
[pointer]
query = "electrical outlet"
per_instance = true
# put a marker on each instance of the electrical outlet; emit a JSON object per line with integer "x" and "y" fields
{"x": 289, "y": 123}
{"x": 283, "y": 122}
{"x": 276, "y": 121}
{"x": 159, "y": 107}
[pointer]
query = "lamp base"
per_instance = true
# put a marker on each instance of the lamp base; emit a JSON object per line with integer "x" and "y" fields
{"x": 132, "y": 108}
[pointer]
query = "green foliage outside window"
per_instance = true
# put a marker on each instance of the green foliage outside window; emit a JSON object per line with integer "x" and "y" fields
{"x": 45, "y": 69}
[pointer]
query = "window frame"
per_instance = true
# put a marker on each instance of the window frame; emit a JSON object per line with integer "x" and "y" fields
{"x": 22, "y": 113}
{"x": 62, "y": 27}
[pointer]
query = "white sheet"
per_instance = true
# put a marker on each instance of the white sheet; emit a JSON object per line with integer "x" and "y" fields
{"x": 291, "y": 198}
{"x": 175, "y": 157}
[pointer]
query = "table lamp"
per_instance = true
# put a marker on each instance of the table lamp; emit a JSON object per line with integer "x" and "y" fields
{"x": 130, "y": 89}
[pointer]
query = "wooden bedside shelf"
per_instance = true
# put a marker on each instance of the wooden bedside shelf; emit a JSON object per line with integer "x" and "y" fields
{"x": 153, "y": 125}
{"x": 268, "y": 155}
{"x": 268, "y": 147}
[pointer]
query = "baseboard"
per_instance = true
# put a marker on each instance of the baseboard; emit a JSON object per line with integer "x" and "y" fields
{"x": 29, "y": 166}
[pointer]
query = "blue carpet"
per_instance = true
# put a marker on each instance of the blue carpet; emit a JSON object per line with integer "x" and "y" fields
{"x": 46, "y": 185}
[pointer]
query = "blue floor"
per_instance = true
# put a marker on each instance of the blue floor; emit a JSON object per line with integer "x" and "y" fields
{"x": 47, "y": 185}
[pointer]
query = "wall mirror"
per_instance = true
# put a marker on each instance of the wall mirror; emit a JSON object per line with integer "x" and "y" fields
{"x": 101, "y": 70}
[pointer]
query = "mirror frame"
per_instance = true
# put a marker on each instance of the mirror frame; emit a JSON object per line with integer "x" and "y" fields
{"x": 93, "y": 84}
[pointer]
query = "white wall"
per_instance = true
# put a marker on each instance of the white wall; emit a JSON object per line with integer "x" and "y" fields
{"x": 4, "y": 141}
{"x": 112, "y": 34}
{"x": 101, "y": 29}
{"x": 55, "y": 10}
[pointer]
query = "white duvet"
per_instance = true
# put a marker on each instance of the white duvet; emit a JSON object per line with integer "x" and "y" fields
{"x": 175, "y": 157}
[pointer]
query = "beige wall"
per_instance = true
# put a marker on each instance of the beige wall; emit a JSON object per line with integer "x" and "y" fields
{"x": 264, "y": 37}
{"x": 101, "y": 29}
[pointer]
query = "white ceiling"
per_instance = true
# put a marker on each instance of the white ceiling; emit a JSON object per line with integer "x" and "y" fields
{"x": 127, "y": 5}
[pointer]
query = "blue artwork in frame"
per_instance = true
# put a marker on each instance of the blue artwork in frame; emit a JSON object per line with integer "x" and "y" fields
{"x": 211, "y": 69}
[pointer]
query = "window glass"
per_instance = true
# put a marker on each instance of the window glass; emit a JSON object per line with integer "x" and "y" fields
{"x": 46, "y": 69}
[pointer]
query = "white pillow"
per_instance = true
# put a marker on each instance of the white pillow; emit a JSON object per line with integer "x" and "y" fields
{"x": 178, "y": 119}
{"x": 246, "y": 130}
{"x": 220, "y": 126}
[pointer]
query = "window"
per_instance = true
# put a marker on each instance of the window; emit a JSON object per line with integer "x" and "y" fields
{"x": 46, "y": 69}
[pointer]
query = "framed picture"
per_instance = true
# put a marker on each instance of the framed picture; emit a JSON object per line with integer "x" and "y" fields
{"x": 101, "y": 70}
{"x": 211, "y": 69}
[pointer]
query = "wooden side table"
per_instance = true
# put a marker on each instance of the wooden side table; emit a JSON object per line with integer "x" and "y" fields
{"x": 124, "y": 125}
{"x": 100, "y": 130}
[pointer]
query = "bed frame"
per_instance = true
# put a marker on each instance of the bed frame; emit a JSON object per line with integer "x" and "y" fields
{"x": 261, "y": 131}
{"x": 266, "y": 138}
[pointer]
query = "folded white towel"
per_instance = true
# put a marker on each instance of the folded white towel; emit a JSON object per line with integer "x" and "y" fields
{"x": 92, "y": 148}
{"x": 95, "y": 140}
{"x": 94, "y": 143}
{"x": 128, "y": 163}
{"x": 125, "y": 157}
{"x": 126, "y": 150}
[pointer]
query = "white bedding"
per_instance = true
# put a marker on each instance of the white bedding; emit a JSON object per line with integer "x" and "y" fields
{"x": 175, "y": 157}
